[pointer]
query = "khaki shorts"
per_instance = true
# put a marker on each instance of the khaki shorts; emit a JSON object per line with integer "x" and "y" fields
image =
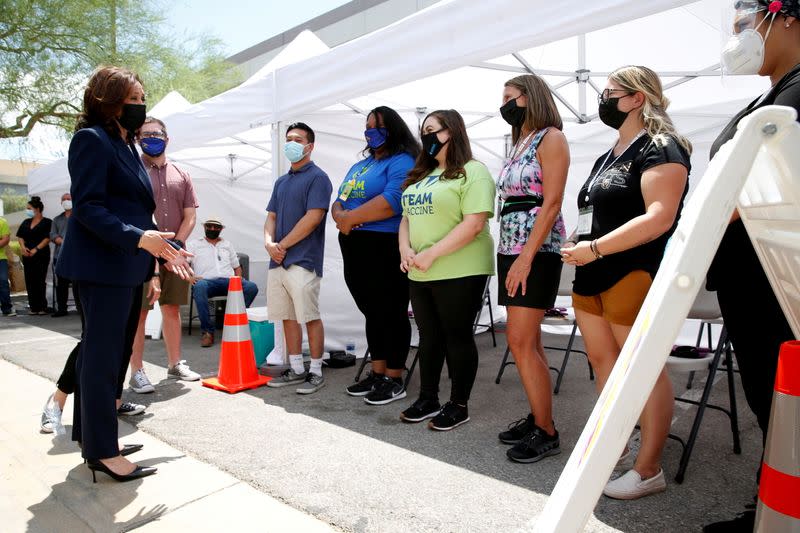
{"x": 621, "y": 303}
{"x": 293, "y": 294}
{"x": 174, "y": 290}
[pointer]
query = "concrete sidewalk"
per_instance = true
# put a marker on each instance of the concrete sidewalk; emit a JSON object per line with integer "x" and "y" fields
{"x": 44, "y": 487}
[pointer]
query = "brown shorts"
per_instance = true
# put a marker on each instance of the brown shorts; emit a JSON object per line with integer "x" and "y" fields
{"x": 174, "y": 290}
{"x": 621, "y": 303}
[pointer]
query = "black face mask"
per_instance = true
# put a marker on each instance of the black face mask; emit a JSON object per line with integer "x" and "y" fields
{"x": 512, "y": 113}
{"x": 133, "y": 116}
{"x": 431, "y": 144}
{"x": 213, "y": 233}
{"x": 610, "y": 114}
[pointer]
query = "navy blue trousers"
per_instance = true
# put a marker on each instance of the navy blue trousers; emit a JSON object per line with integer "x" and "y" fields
{"x": 111, "y": 316}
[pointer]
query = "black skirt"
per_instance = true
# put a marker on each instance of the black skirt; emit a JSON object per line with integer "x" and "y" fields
{"x": 542, "y": 284}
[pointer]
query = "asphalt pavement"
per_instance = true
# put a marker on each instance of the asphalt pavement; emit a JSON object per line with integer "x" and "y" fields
{"x": 356, "y": 467}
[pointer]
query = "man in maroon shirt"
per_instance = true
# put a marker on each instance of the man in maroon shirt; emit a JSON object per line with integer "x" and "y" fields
{"x": 176, "y": 206}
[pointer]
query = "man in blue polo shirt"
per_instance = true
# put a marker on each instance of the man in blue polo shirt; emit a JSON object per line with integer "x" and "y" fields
{"x": 294, "y": 236}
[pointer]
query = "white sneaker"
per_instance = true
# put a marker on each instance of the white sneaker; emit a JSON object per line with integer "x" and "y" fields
{"x": 51, "y": 418}
{"x": 140, "y": 384}
{"x": 630, "y": 485}
{"x": 182, "y": 372}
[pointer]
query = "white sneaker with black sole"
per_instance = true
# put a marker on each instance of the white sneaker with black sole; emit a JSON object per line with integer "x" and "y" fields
{"x": 385, "y": 390}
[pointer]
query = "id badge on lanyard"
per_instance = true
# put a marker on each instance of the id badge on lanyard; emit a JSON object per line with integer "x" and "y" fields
{"x": 585, "y": 221}
{"x": 347, "y": 189}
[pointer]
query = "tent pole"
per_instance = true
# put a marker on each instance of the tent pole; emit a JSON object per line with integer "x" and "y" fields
{"x": 582, "y": 77}
{"x": 278, "y": 162}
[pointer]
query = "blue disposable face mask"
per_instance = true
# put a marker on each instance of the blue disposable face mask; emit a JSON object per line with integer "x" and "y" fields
{"x": 376, "y": 137}
{"x": 29, "y": 213}
{"x": 294, "y": 151}
{"x": 153, "y": 146}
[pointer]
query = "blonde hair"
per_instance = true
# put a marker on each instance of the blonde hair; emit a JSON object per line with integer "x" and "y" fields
{"x": 659, "y": 126}
{"x": 541, "y": 111}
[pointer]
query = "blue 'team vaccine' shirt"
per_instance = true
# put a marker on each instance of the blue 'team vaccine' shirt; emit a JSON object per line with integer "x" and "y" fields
{"x": 375, "y": 177}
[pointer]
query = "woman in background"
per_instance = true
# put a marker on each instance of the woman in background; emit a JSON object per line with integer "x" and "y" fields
{"x": 34, "y": 241}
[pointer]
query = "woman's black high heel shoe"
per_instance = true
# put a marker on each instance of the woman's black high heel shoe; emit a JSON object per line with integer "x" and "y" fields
{"x": 140, "y": 471}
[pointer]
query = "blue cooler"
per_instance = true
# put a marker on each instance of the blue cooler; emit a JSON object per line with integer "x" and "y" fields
{"x": 262, "y": 332}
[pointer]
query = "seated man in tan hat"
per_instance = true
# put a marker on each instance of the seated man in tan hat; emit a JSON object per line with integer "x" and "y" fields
{"x": 214, "y": 262}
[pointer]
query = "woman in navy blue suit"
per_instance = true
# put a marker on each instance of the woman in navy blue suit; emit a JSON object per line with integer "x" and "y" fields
{"x": 109, "y": 254}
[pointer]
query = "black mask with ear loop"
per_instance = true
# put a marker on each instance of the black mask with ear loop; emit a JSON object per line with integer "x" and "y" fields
{"x": 431, "y": 144}
{"x": 610, "y": 114}
{"x": 513, "y": 114}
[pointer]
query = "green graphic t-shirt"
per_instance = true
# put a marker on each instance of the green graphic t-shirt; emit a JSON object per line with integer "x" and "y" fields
{"x": 435, "y": 207}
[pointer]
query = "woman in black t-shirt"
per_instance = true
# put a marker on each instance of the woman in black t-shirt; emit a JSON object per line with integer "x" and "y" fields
{"x": 755, "y": 323}
{"x": 34, "y": 240}
{"x": 629, "y": 207}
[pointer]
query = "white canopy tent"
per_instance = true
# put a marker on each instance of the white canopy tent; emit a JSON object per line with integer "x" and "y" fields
{"x": 455, "y": 54}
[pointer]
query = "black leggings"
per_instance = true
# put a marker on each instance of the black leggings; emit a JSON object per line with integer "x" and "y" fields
{"x": 371, "y": 261}
{"x": 67, "y": 381}
{"x": 35, "y": 280}
{"x": 445, "y": 312}
{"x": 757, "y": 327}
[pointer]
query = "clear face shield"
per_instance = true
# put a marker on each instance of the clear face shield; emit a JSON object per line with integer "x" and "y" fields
{"x": 743, "y": 50}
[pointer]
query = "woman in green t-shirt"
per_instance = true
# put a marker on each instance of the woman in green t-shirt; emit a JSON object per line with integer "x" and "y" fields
{"x": 447, "y": 251}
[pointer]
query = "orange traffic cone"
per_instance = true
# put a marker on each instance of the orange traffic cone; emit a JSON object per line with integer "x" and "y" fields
{"x": 237, "y": 363}
{"x": 778, "y": 500}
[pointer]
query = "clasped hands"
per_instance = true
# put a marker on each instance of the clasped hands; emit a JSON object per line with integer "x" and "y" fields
{"x": 420, "y": 261}
{"x": 276, "y": 251}
{"x": 578, "y": 254}
{"x": 344, "y": 221}
{"x": 155, "y": 242}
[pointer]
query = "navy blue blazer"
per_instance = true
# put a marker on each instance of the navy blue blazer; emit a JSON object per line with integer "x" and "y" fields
{"x": 112, "y": 206}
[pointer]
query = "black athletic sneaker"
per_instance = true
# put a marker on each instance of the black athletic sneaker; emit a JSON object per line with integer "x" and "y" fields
{"x": 386, "y": 390}
{"x": 517, "y": 430}
{"x": 452, "y": 416}
{"x": 420, "y": 410}
{"x": 364, "y": 387}
{"x": 534, "y": 446}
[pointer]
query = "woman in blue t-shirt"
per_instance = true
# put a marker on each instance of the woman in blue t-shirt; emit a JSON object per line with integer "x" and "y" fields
{"x": 367, "y": 212}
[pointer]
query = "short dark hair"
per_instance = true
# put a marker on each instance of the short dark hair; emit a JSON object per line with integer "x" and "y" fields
{"x": 151, "y": 119}
{"x": 304, "y": 127}
{"x": 398, "y": 136}
{"x": 36, "y": 202}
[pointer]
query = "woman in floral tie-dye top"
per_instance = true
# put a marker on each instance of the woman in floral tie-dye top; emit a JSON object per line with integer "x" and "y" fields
{"x": 531, "y": 187}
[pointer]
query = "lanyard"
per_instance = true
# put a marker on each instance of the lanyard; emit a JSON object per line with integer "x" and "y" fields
{"x": 350, "y": 184}
{"x": 519, "y": 149}
{"x": 603, "y": 166}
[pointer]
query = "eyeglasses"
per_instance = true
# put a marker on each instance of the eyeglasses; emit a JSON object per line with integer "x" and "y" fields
{"x": 213, "y": 226}
{"x": 605, "y": 96}
{"x": 745, "y": 17}
{"x": 153, "y": 134}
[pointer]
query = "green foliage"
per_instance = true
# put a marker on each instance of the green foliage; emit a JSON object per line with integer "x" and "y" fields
{"x": 13, "y": 202}
{"x": 48, "y": 49}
